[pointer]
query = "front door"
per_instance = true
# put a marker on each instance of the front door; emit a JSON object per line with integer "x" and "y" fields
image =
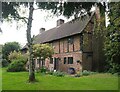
{"x": 56, "y": 63}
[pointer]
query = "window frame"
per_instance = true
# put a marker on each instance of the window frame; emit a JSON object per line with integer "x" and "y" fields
{"x": 69, "y": 60}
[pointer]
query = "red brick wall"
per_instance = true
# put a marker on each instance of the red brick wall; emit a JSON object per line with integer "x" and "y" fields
{"x": 64, "y": 67}
{"x": 61, "y": 46}
{"x": 56, "y": 46}
{"x": 77, "y": 43}
{"x": 65, "y": 45}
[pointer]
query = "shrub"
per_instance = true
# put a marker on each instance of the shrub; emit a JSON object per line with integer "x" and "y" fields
{"x": 77, "y": 75}
{"x": 5, "y": 63}
{"x": 17, "y": 56}
{"x": 114, "y": 68}
{"x": 85, "y": 73}
{"x": 16, "y": 66}
{"x": 43, "y": 70}
{"x": 50, "y": 72}
{"x": 58, "y": 74}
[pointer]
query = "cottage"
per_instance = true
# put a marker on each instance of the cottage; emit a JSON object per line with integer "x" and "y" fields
{"x": 73, "y": 44}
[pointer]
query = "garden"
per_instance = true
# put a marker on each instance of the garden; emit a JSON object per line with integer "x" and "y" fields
{"x": 96, "y": 81}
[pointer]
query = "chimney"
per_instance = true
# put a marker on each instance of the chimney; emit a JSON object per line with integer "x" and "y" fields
{"x": 41, "y": 30}
{"x": 97, "y": 12}
{"x": 59, "y": 22}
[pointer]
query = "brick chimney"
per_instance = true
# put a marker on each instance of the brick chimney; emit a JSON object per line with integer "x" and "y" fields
{"x": 59, "y": 22}
{"x": 41, "y": 30}
{"x": 97, "y": 12}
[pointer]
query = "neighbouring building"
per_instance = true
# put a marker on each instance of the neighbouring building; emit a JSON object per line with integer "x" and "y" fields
{"x": 74, "y": 45}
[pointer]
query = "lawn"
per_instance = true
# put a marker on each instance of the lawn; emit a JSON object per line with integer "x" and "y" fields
{"x": 18, "y": 81}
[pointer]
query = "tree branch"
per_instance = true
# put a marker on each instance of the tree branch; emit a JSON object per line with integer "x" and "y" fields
{"x": 23, "y": 18}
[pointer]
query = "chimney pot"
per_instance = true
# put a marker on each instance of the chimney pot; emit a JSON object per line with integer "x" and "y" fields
{"x": 41, "y": 30}
{"x": 59, "y": 22}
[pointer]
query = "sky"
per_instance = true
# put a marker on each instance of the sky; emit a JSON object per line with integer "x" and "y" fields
{"x": 40, "y": 19}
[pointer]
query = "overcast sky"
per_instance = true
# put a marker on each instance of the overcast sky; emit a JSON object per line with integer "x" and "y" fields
{"x": 10, "y": 32}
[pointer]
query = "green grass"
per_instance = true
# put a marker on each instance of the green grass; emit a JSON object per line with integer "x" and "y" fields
{"x": 18, "y": 81}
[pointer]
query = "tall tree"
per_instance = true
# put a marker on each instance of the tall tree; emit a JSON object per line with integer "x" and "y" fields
{"x": 10, "y": 11}
{"x": 30, "y": 59}
{"x": 112, "y": 42}
{"x": 9, "y": 47}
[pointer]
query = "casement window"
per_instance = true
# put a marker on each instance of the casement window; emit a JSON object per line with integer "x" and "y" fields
{"x": 51, "y": 60}
{"x": 70, "y": 60}
{"x": 65, "y": 60}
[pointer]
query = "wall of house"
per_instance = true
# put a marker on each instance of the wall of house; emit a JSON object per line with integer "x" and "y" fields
{"x": 83, "y": 47}
{"x": 64, "y": 48}
{"x": 88, "y": 46}
{"x": 62, "y": 66}
{"x": 78, "y": 46}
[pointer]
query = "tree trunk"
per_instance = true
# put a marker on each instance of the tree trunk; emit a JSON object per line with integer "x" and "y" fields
{"x": 29, "y": 39}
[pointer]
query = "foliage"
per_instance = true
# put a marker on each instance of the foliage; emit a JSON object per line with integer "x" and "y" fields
{"x": 4, "y": 63}
{"x": 9, "y": 47}
{"x": 43, "y": 70}
{"x": 112, "y": 42}
{"x": 42, "y": 50}
{"x": 10, "y": 9}
{"x": 50, "y": 72}
{"x": 69, "y": 9}
{"x": 85, "y": 73}
{"x": 58, "y": 74}
{"x": 78, "y": 75}
{"x": 16, "y": 66}
{"x": 66, "y": 9}
{"x": 18, "y": 55}
{"x": 18, "y": 61}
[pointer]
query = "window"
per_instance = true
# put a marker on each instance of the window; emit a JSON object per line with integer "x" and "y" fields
{"x": 51, "y": 60}
{"x": 65, "y": 60}
{"x": 70, "y": 40}
{"x": 70, "y": 60}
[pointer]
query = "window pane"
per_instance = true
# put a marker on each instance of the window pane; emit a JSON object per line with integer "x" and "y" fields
{"x": 64, "y": 60}
{"x": 70, "y": 40}
{"x": 70, "y": 60}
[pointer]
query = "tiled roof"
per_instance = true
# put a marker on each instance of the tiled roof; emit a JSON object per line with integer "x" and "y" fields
{"x": 64, "y": 30}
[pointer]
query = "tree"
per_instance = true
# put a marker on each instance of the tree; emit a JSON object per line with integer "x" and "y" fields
{"x": 42, "y": 51}
{"x": 112, "y": 42}
{"x": 8, "y": 48}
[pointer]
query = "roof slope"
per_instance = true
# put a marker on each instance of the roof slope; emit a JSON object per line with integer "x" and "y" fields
{"x": 64, "y": 30}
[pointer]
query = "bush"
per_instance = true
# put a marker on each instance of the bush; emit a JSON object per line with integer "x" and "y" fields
{"x": 17, "y": 56}
{"x": 85, "y": 73}
{"x": 43, "y": 70}
{"x": 5, "y": 63}
{"x": 50, "y": 72}
{"x": 78, "y": 75}
{"x": 114, "y": 68}
{"x": 58, "y": 74}
{"x": 16, "y": 66}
